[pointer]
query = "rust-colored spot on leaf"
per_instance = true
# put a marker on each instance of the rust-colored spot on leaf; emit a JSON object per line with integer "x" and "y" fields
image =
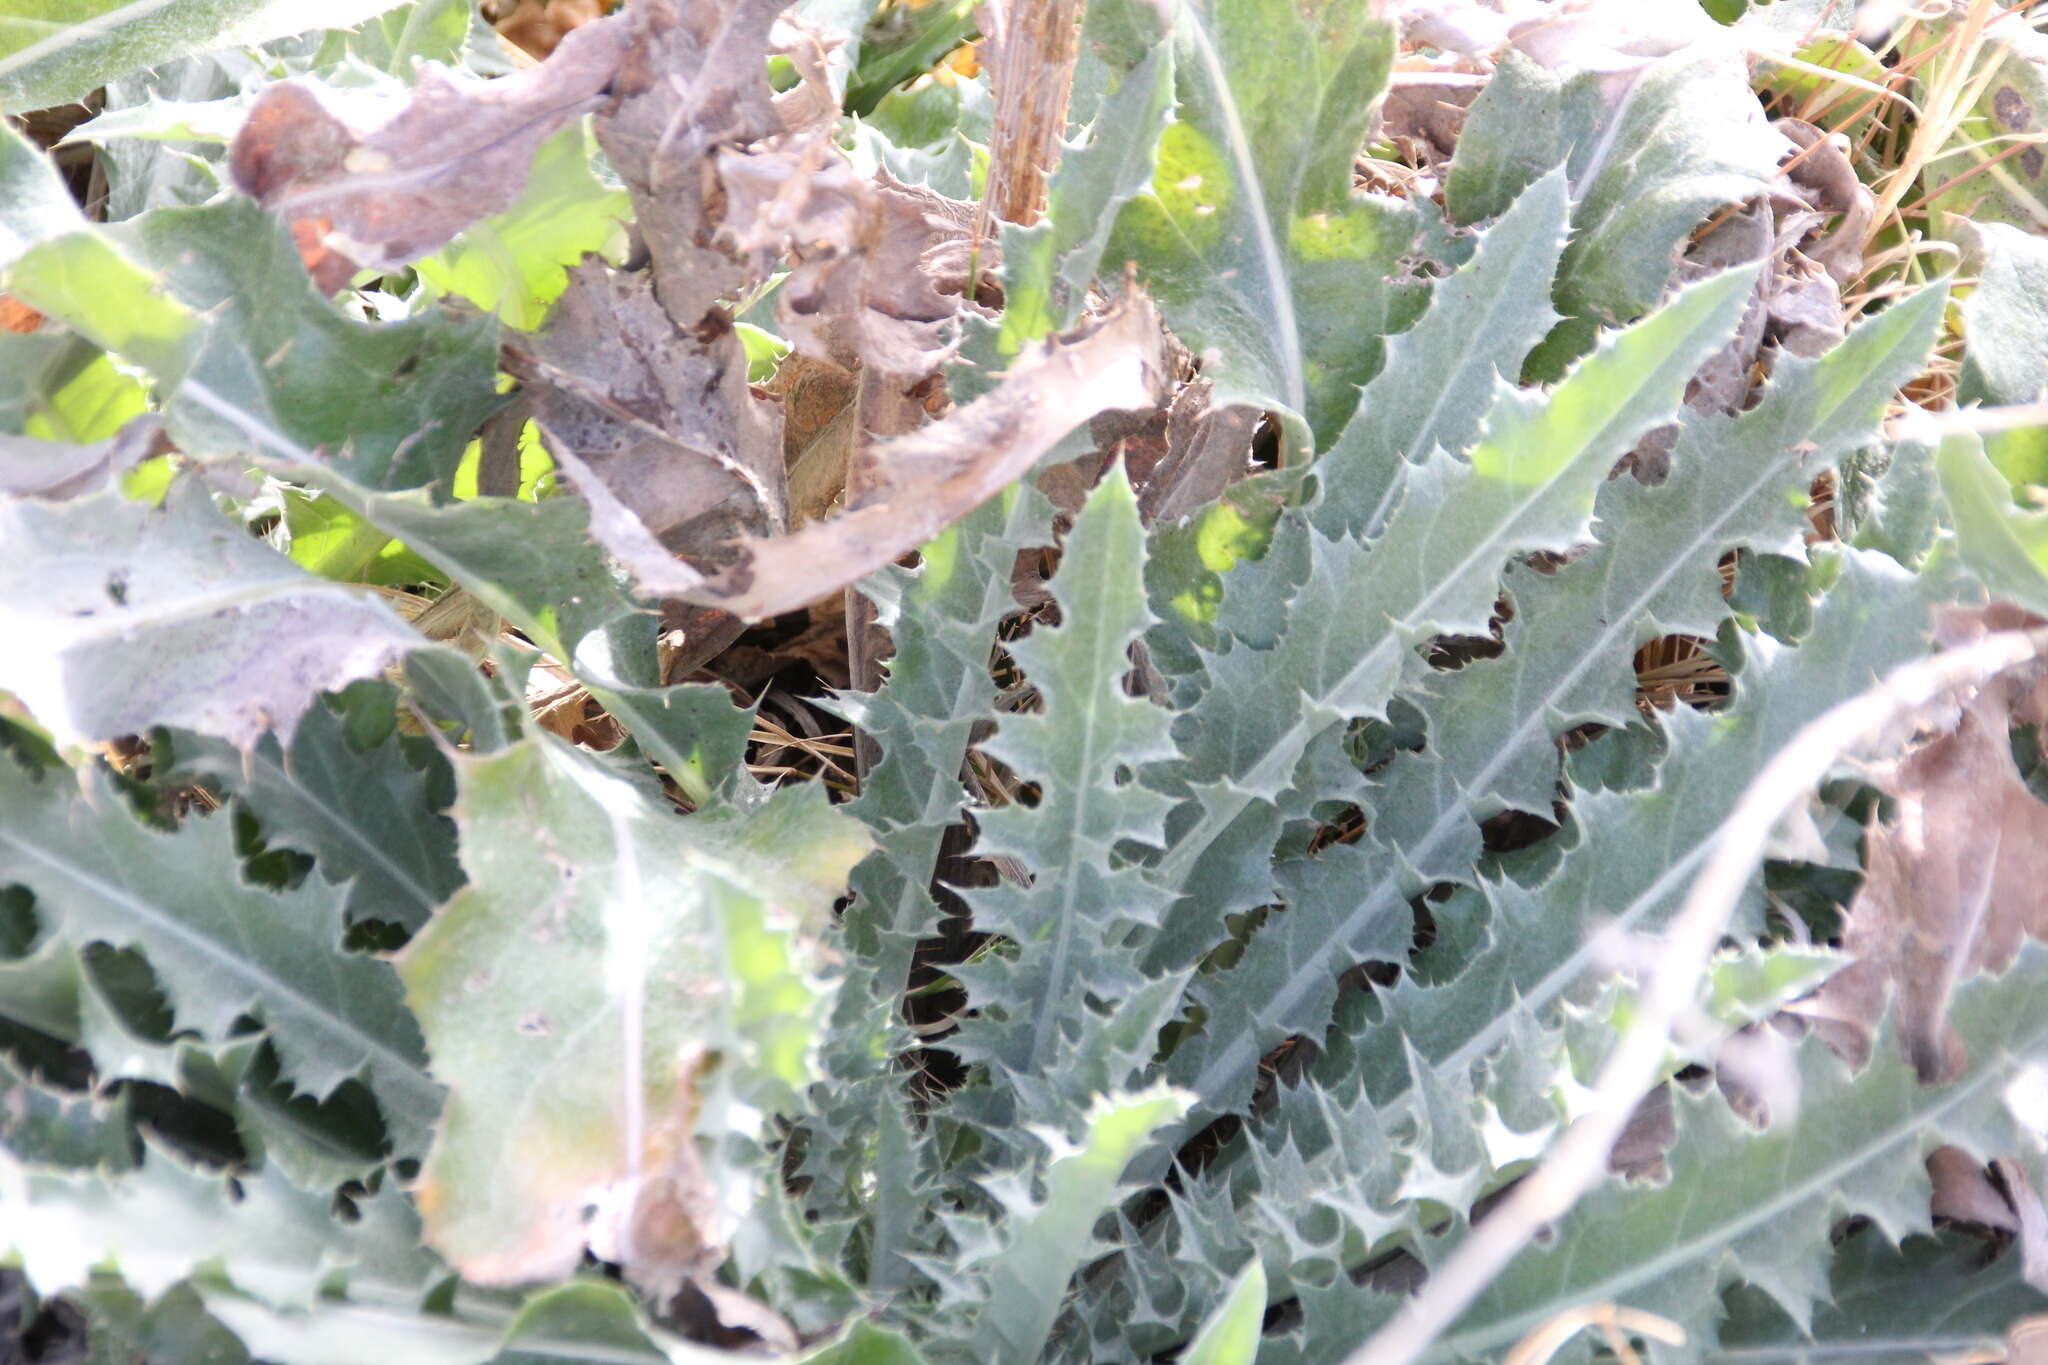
{"x": 16, "y": 316}
{"x": 387, "y": 191}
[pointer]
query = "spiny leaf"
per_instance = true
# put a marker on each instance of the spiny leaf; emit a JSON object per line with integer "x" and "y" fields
{"x": 1333, "y": 1170}
{"x": 274, "y": 1263}
{"x": 2006, "y": 360}
{"x": 1874, "y": 618}
{"x": 220, "y": 947}
{"x": 1766, "y": 1201}
{"x": 2007, "y": 355}
{"x": 36, "y": 204}
{"x": 1251, "y": 237}
{"x": 1443, "y": 374}
{"x": 1049, "y": 1236}
{"x": 214, "y": 303}
{"x": 159, "y": 1224}
{"x": 581, "y": 1320}
{"x": 41, "y": 988}
{"x": 535, "y": 565}
{"x": 1640, "y": 847}
{"x": 1650, "y": 151}
{"x": 532, "y": 563}
{"x": 1928, "y": 1297}
{"x": 318, "y": 1145}
{"x": 1344, "y": 619}
{"x": 2003, "y": 544}
{"x": 367, "y": 807}
{"x": 1230, "y": 1336}
{"x": 51, "y": 1128}
{"x": 1735, "y": 481}
{"x": 1083, "y": 750}
{"x": 942, "y": 617}
{"x": 120, "y": 1325}
{"x": 1048, "y": 267}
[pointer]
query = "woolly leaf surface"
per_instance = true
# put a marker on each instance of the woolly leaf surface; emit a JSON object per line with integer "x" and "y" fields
{"x": 1250, "y": 237}
{"x": 220, "y": 947}
{"x": 595, "y": 917}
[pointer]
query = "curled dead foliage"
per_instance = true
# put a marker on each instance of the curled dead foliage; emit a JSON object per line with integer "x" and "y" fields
{"x": 382, "y": 185}
{"x": 1956, "y": 877}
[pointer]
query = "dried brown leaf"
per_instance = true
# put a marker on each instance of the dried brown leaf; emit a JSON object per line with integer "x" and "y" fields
{"x": 729, "y": 182}
{"x": 810, "y": 103}
{"x": 820, "y": 424}
{"x": 693, "y": 80}
{"x": 933, "y": 476}
{"x": 366, "y": 186}
{"x": 879, "y": 268}
{"x": 1963, "y": 1191}
{"x": 1178, "y": 457}
{"x": 655, "y": 425}
{"x": 1796, "y": 307}
{"x": 1639, "y": 1152}
{"x": 1207, "y": 449}
{"x": 1825, "y": 175}
{"x": 538, "y": 26}
{"x": 1427, "y": 109}
{"x": 1954, "y": 880}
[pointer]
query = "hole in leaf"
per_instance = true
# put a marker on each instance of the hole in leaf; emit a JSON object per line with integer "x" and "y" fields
{"x": 19, "y": 927}
{"x": 195, "y": 1130}
{"x": 1266, "y": 443}
{"x": 1676, "y": 670}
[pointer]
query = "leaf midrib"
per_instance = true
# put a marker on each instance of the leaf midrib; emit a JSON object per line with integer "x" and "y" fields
{"x": 340, "y": 825}
{"x": 400, "y": 1067}
{"x": 1717, "y": 1236}
{"x": 1053, "y": 1001}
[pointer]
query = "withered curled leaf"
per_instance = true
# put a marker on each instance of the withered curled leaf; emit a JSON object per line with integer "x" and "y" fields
{"x": 654, "y": 424}
{"x": 1954, "y": 880}
{"x": 693, "y": 79}
{"x": 381, "y": 191}
{"x": 1825, "y": 175}
{"x": 1179, "y": 458}
{"x": 930, "y": 478}
{"x": 1964, "y": 1190}
{"x": 639, "y": 380}
{"x": 880, "y": 267}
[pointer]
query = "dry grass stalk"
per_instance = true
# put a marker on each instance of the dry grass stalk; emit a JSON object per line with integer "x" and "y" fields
{"x": 1029, "y": 54}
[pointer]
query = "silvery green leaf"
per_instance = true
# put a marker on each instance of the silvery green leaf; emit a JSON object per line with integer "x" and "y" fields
{"x": 125, "y": 616}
